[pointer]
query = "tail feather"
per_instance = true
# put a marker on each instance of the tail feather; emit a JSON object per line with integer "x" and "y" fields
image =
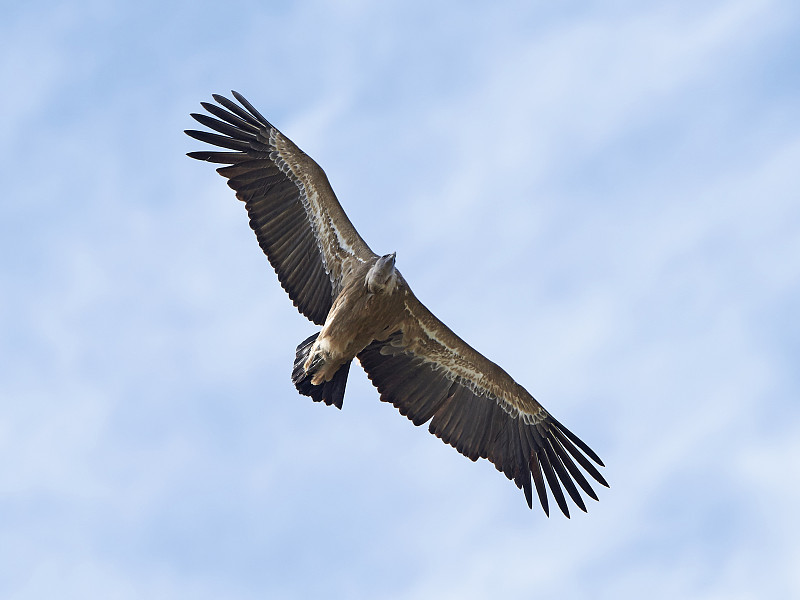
{"x": 329, "y": 392}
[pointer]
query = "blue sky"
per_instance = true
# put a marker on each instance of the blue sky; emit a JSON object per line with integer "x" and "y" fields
{"x": 604, "y": 198}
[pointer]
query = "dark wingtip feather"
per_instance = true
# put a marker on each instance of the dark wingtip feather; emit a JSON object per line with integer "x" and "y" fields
{"x": 223, "y": 141}
{"x": 525, "y": 483}
{"x": 205, "y": 155}
{"x": 194, "y": 133}
{"x": 577, "y": 441}
{"x": 569, "y": 485}
{"x": 230, "y": 117}
{"x": 239, "y": 111}
{"x": 243, "y": 101}
{"x": 555, "y": 487}
{"x": 541, "y": 491}
{"x": 233, "y": 130}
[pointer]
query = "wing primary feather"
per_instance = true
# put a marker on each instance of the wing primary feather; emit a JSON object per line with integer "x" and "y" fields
{"x": 510, "y": 447}
{"x": 544, "y": 462}
{"x": 249, "y": 107}
{"x": 524, "y": 468}
{"x": 552, "y": 481}
{"x": 533, "y": 462}
{"x": 223, "y": 127}
{"x": 219, "y": 140}
{"x": 510, "y": 451}
{"x": 541, "y": 489}
{"x": 225, "y": 158}
{"x": 582, "y": 460}
{"x": 573, "y": 470}
{"x": 577, "y": 441}
{"x": 518, "y": 457}
{"x": 566, "y": 480}
{"x": 526, "y": 488}
{"x": 239, "y": 111}
{"x": 223, "y": 114}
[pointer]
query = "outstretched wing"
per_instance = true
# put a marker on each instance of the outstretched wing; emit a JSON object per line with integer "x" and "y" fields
{"x": 298, "y": 221}
{"x": 428, "y": 372}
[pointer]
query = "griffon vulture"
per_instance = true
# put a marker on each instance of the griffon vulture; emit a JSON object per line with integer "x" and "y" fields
{"x": 367, "y": 311}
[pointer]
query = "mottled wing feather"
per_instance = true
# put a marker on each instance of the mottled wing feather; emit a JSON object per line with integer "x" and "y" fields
{"x": 293, "y": 211}
{"x": 430, "y": 374}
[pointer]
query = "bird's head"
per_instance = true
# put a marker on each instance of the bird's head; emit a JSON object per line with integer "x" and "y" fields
{"x": 382, "y": 276}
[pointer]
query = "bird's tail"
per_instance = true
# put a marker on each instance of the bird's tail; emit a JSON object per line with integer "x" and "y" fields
{"x": 329, "y": 392}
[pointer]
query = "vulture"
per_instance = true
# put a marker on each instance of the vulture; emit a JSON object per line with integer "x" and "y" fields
{"x": 368, "y": 312}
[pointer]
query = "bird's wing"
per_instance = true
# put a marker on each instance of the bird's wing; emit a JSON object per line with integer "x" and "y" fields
{"x": 428, "y": 372}
{"x": 298, "y": 221}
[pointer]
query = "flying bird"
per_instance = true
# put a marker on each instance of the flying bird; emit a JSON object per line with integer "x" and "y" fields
{"x": 368, "y": 311}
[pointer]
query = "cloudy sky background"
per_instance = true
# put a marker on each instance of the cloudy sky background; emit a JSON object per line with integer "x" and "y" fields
{"x": 604, "y": 198}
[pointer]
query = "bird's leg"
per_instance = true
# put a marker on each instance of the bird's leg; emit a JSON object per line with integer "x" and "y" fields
{"x": 314, "y": 363}
{"x": 320, "y": 364}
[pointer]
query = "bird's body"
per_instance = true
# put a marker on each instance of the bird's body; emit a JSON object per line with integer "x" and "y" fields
{"x": 368, "y": 312}
{"x": 369, "y": 307}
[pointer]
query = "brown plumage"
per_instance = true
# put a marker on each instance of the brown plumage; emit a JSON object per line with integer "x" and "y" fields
{"x": 368, "y": 311}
